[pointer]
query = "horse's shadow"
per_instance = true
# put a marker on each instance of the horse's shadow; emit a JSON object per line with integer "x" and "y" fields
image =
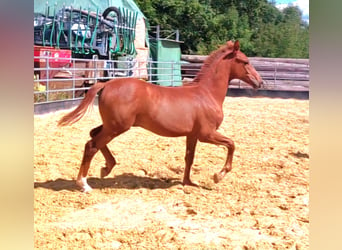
{"x": 124, "y": 181}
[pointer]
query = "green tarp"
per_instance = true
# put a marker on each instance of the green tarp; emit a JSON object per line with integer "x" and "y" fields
{"x": 93, "y": 5}
{"x": 163, "y": 52}
{"x": 87, "y": 38}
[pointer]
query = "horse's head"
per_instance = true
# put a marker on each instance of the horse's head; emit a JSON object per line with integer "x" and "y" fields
{"x": 241, "y": 68}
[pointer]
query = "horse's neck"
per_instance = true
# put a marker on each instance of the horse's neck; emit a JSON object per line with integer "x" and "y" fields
{"x": 217, "y": 82}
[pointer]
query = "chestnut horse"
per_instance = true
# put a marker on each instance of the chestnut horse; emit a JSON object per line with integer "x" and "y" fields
{"x": 194, "y": 111}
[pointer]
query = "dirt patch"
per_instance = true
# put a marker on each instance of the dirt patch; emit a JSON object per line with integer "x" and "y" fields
{"x": 263, "y": 203}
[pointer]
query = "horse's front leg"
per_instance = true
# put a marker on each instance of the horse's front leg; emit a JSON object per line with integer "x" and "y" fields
{"x": 218, "y": 139}
{"x": 189, "y": 159}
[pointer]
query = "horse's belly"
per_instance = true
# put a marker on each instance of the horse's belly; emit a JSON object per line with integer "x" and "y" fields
{"x": 166, "y": 127}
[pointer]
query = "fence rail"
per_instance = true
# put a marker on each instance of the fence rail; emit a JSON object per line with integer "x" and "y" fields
{"x": 57, "y": 80}
{"x": 53, "y": 83}
{"x": 278, "y": 73}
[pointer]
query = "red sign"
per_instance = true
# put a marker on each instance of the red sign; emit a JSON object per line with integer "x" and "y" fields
{"x": 57, "y": 57}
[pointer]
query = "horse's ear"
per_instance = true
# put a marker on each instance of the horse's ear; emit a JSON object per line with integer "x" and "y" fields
{"x": 232, "y": 49}
{"x": 236, "y": 45}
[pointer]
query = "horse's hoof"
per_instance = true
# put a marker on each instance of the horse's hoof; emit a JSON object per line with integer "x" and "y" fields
{"x": 104, "y": 172}
{"x": 86, "y": 189}
{"x": 217, "y": 178}
{"x": 189, "y": 183}
{"x": 82, "y": 183}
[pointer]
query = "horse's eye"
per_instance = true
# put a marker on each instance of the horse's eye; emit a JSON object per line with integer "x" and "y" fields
{"x": 245, "y": 61}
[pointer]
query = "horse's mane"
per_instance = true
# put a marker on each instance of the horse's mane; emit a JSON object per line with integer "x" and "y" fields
{"x": 208, "y": 63}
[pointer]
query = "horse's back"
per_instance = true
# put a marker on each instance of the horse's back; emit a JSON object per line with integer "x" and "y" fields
{"x": 123, "y": 89}
{"x": 131, "y": 90}
{"x": 167, "y": 111}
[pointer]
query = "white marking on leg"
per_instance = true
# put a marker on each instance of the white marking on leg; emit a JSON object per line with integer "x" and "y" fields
{"x": 82, "y": 183}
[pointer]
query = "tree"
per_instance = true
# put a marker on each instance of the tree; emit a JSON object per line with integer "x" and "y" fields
{"x": 190, "y": 18}
{"x": 262, "y": 29}
{"x": 281, "y": 34}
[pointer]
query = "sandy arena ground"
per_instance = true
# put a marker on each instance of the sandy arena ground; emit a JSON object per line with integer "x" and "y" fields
{"x": 263, "y": 203}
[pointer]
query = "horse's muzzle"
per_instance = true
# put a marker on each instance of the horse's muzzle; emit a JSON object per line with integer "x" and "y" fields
{"x": 257, "y": 83}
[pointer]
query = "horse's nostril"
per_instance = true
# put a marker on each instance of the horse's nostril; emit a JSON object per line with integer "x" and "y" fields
{"x": 261, "y": 84}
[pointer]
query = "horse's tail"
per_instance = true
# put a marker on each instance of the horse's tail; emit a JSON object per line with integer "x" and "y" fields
{"x": 79, "y": 112}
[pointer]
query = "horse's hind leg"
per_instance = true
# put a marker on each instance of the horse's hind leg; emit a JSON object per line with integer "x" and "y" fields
{"x": 218, "y": 139}
{"x": 99, "y": 141}
{"x": 110, "y": 160}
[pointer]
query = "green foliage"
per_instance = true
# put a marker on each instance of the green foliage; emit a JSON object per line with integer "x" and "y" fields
{"x": 286, "y": 36}
{"x": 263, "y": 30}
